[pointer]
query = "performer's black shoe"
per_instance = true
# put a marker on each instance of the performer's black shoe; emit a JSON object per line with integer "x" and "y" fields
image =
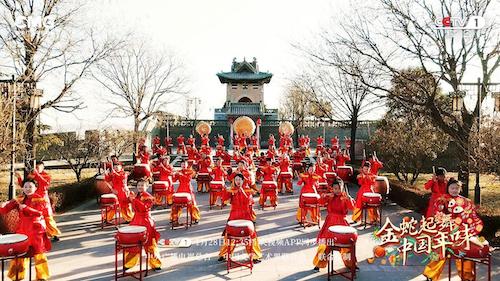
{"x": 316, "y": 268}
{"x": 158, "y": 269}
{"x": 221, "y": 259}
{"x": 55, "y": 239}
{"x": 196, "y": 222}
{"x": 256, "y": 261}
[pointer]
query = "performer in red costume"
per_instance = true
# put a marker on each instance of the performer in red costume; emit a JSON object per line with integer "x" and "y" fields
{"x": 32, "y": 208}
{"x": 241, "y": 209}
{"x": 181, "y": 147}
{"x": 338, "y": 204}
{"x": 366, "y": 181}
{"x": 184, "y": 177}
{"x": 141, "y": 204}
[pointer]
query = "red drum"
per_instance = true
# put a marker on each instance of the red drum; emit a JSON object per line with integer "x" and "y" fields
{"x": 286, "y": 175}
{"x": 203, "y": 177}
{"x": 239, "y": 228}
{"x": 181, "y": 198}
{"x": 475, "y": 251}
{"x": 343, "y": 235}
{"x": 13, "y": 245}
{"x": 345, "y": 172}
{"x": 141, "y": 171}
{"x": 382, "y": 185}
{"x": 101, "y": 185}
{"x": 309, "y": 198}
{"x": 269, "y": 185}
{"x": 372, "y": 198}
{"x": 160, "y": 186}
{"x": 132, "y": 234}
{"x": 109, "y": 199}
{"x": 330, "y": 175}
{"x": 217, "y": 185}
{"x": 156, "y": 175}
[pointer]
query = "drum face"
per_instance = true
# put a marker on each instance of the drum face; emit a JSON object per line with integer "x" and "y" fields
{"x": 13, "y": 244}
{"x": 343, "y": 235}
{"x": 131, "y": 235}
{"x": 239, "y": 228}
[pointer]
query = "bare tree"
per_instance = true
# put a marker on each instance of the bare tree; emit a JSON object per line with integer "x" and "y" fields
{"x": 141, "y": 84}
{"x": 43, "y": 40}
{"x": 394, "y": 33}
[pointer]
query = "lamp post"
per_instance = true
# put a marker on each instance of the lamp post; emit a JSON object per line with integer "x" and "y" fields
{"x": 458, "y": 106}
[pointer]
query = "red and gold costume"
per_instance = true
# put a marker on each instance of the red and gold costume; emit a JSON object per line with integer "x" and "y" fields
{"x": 366, "y": 182}
{"x": 268, "y": 173}
{"x": 463, "y": 212}
{"x": 156, "y": 144}
{"x": 337, "y": 207}
{"x": 334, "y": 143}
{"x": 284, "y": 165}
{"x": 142, "y": 204}
{"x": 119, "y": 183}
{"x": 204, "y": 165}
{"x": 32, "y": 224}
{"x": 241, "y": 209}
{"x": 342, "y": 158}
{"x": 169, "y": 144}
{"x": 181, "y": 147}
{"x": 255, "y": 144}
{"x": 43, "y": 180}
{"x": 184, "y": 177}
{"x": 191, "y": 141}
{"x": 310, "y": 184}
{"x": 271, "y": 142}
{"x": 165, "y": 176}
{"x": 438, "y": 189}
{"x": 218, "y": 173}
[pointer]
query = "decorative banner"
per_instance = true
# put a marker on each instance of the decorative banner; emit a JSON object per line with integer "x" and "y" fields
{"x": 435, "y": 237}
{"x": 203, "y": 128}
{"x": 244, "y": 125}
{"x": 286, "y": 128}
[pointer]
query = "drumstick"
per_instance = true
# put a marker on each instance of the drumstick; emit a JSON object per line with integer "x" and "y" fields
{"x": 433, "y": 170}
{"x": 364, "y": 154}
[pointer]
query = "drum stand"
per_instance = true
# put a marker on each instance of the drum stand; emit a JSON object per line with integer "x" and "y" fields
{"x": 364, "y": 210}
{"x": 233, "y": 242}
{"x": 163, "y": 193}
{"x": 351, "y": 273}
{"x": 303, "y": 215}
{"x": 189, "y": 221}
{"x": 105, "y": 208}
{"x": 286, "y": 182}
{"x": 121, "y": 247}
{"x": 486, "y": 261}
{"x": 23, "y": 255}
{"x": 268, "y": 193}
{"x": 211, "y": 194}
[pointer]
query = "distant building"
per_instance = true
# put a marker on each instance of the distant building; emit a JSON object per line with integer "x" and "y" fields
{"x": 245, "y": 92}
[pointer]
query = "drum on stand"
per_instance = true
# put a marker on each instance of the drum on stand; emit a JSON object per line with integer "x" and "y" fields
{"x": 372, "y": 198}
{"x": 345, "y": 173}
{"x": 382, "y": 185}
{"x": 132, "y": 234}
{"x": 181, "y": 198}
{"x": 342, "y": 236}
{"x": 269, "y": 185}
{"x": 240, "y": 228}
{"x": 310, "y": 198}
{"x": 109, "y": 199}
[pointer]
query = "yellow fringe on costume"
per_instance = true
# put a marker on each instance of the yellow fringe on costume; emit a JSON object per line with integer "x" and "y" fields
{"x": 176, "y": 213}
{"x": 20, "y": 265}
{"x": 255, "y": 247}
{"x": 51, "y": 227}
{"x": 131, "y": 258}
{"x": 434, "y": 269}
{"x": 320, "y": 259}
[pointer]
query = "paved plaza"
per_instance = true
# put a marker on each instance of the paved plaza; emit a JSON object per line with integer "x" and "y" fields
{"x": 86, "y": 252}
